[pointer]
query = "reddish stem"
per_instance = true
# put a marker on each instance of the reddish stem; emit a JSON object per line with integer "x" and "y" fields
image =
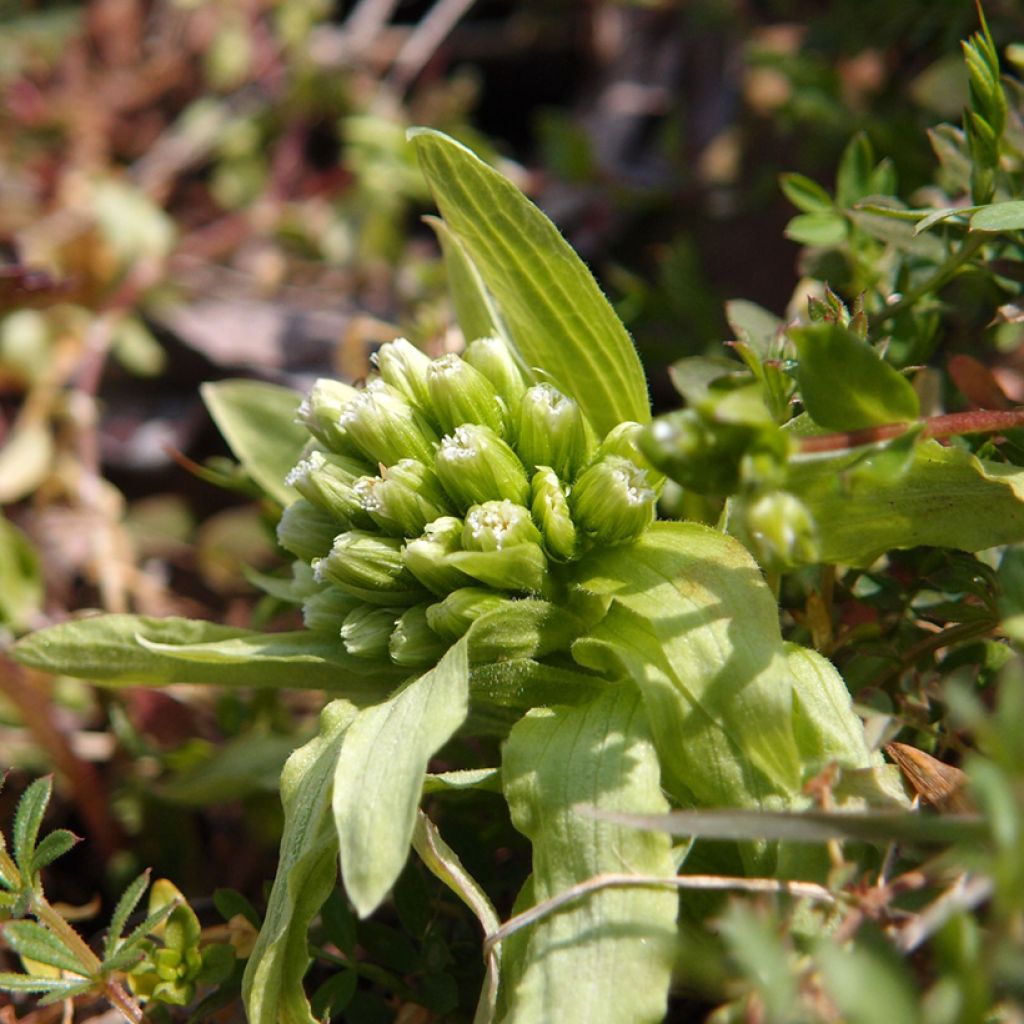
{"x": 978, "y": 421}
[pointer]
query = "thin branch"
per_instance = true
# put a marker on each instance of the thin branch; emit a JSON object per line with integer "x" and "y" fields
{"x": 807, "y": 890}
{"x": 424, "y": 41}
{"x": 965, "y": 894}
{"x": 978, "y": 421}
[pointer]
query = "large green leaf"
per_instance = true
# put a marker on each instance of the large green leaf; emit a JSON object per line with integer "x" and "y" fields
{"x": 258, "y": 422}
{"x": 138, "y": 650}
{"x": 557, "y": 315}
{"x": 739, "y": 717}
{"x": 947, "y": 497}
{"x": 306, "y": 874}
{"x": 474, "y": 308}
{"x": 379, "y": 775}
{"x": 844, "y": 385}
{"x": 607, "y": 957}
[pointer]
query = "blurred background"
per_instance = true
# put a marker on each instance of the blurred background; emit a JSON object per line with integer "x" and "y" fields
{"x": 199, "y": 189}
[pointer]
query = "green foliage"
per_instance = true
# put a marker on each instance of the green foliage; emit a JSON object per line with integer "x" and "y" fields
{"x": 161, "y": 958}
{"x": 476, "y": 555}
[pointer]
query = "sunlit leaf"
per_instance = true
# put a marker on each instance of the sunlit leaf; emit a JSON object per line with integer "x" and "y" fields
{"x": 137, "y": 650}
{"x": 607, "y": 957}
{"x": 258, "y": 422}
{"x": 843, "y": 383}
{"x": 379, "y": 775}
{"x": 555, "y": 312}
{"x": 306, "y": 874}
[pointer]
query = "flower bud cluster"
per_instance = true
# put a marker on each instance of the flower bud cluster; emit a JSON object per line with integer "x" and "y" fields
{"x": 446, "y": 489}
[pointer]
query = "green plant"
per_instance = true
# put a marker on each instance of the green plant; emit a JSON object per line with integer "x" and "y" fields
{"x": 508, "y": 548}
{"x": 159, "y": 959}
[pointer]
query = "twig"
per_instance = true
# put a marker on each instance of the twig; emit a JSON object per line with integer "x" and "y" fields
{"x": 424, "y": 41}
{"x": 966, "y": 893}
{"x": 978, "y": 421}
{"x": 807, "y": 890}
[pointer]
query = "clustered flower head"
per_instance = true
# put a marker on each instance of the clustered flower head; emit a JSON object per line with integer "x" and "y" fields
{"x": 444, "y": 489}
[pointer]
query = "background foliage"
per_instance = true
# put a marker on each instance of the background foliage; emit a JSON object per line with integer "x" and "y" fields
{"x": 204, "y": 189}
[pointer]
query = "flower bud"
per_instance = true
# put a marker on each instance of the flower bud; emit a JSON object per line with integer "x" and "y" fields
{"x": 475, "y": 465}
{"x": 366, "y": 631}
{"x": 460, "y": 609}
{"x": 552, "y": 432}
{"x": 404, "y": 498}
{"x": 427, "y": 556}
{"x": 370, "y": 567}
{"x": 321, "y": 410}
{"x": 612, "y": 501}
{"x": 460, "y": 394}
{"x": 782, "y": 530}
{"x": 305, "y": 530}
{"x": 385, "y": 428}
{"x": 404, "y": 367}
{"x": 498, "y": 524}
{"x": 325, "y": 611}
{"x": 327, "y": 481}
{"x": 496, "y": 361}
{"x": 501, "y": 547}
{"x": 413, "y": 643}
{"x": 624, "y": 440}
{"x": 550, "y": 508}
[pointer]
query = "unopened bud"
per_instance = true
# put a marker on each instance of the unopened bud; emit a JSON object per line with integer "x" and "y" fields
{"x": 385, "y": 428}
{"x": 501, "y": 547}
{"x": 370, "y": 567}
{"x": 460, "y": 609}
{"x": 550, "y": 508}
{"x": 327, "y": 481}
{"x": 404, "y": 498}
{"x": 367, "y": 630}
{"x": 325, "y": 611}
{"x": 498, "y": 524}
{"x": 461, "y": 394}
{"x": 612, "y": 501}
{"x": 496, "y": 361}
{"x": 305, "y": 530}
{"x": 427, "y": 556}
{"x": 475, "y": 465}
{"x": 782, "y": 530}
{"x": 552, "y": 432}
{"x": 404, "y": 367}
{"x": 321, "y": 410}
{"x": 413, "y": 643}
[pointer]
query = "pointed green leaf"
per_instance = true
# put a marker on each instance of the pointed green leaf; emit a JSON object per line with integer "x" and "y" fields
{"x": 379, "y": 774}
{"x": 27, "y": 819}
{"x": 1007, "y": 216}
{"x": 806, "y": 195}
{"x": 55, "y": 845}
{"x": 258, "y": 422}
{"x": 29, "y": 983}
{"x": 947, "y": 497}
{"x": 139, "y": 650}
{"x": 32, "y": 940}
{"x": 608, "y": 956}
{"x": 474, "y": 308}
{"x": 21, "y": 583}
{"x": 125, "y": 906}
{"x": 853, "y": 177}
{"x": 695, "y": 625}
{"x": 306, "y": 874}
{"x": 553, "y": 308}
{"x": 843, "y": 383}
{"x": 822, "y": 229}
